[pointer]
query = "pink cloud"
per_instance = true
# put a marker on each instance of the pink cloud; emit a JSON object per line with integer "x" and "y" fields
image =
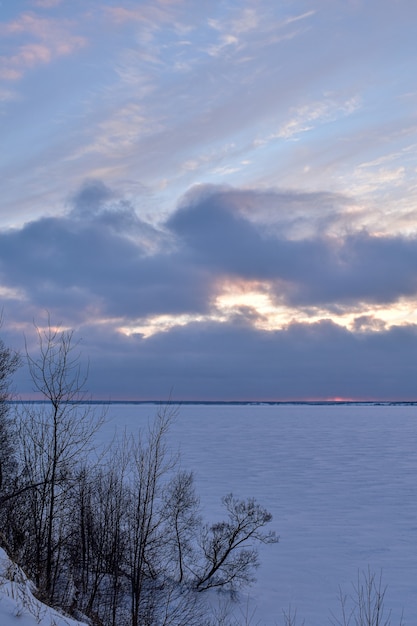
{"x": 156, "y": 12}
{"x": 121, "y": 15}
{"x": 52, "y": 39}
{"x": 8, "y": 73}
{"x": 47, "y": 4}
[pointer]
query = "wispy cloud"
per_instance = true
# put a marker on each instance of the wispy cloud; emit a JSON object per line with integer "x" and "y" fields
{"x": 52, "y": 39}
{"x": 306, "y": 117}
{"x": 120, "y": 15}
{"x": 225, "y": 42}
{"x": 298, "y": 18}
{"x": 46, "y": 4}
{"x": 8, "y": 95}
{"x": 250, "y": 28}
{"x": 27, "y": 57}
{"x": 150, "y": 13}
{"x": 120, "y": 132}
{"x": 231, "y": 31}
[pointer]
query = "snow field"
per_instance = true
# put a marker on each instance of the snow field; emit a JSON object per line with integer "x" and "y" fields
{"x": 340, "y": 481}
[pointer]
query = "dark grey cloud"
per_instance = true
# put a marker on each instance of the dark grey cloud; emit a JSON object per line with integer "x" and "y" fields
{"x": 102, "y": 259}
{"x": 99, "y": 257}
{"x": 318, "y": 270}
{"x": 235, "y": 361}
{"x": 90, "y": 199}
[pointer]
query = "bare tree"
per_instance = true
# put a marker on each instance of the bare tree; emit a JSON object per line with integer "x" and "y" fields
{"x": 290, "y": 617}
{"x": 150, "y": 463}
{"x": 9, "y": 363}
{"x": 230, "y": 547}
{"x": 54, "y": 438}
{"x": 365, "y": 606}
{"x": 120, "y": 539}
{"x": 98, "y": 540}
{"x": 181, "y": 511}
{"x": 136, "y": 515}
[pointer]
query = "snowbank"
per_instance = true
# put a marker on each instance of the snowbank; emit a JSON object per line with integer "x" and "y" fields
{"x": 18, "y": 605}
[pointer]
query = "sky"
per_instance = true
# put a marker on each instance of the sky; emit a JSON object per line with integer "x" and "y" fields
{"x": 219, "y": 197}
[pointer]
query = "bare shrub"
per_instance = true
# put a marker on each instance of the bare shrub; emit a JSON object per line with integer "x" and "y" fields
{"x": 365, "y": 606}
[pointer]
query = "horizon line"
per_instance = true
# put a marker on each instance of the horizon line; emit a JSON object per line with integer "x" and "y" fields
{"x": 328, "y": 401}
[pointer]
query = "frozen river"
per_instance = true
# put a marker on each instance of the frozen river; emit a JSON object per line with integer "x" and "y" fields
{"x": 340, "y": 481}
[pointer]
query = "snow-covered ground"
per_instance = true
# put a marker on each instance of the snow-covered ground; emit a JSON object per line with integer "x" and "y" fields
{"x": 18, "y": 605}
{"x": 340, "y": 481}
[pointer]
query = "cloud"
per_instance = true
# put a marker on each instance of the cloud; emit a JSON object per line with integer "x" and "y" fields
{"x": 7, "y": 95}
{"x": 52, "y": 38}
{"x": 101, "y": 268}
{"x": 229, "y": 361}
{"x": 27, "y": 57}
{"x": 119, "y": 134}
{"x": 150, "y": 13}
{"x": 46, "y": 4}
{"x": 226, "y": 361}
{"x": 90, "y": 199}
{"x": 248, "y": 27}
{"x": 316, "y": 270}
{"x": 308, "y": 116}
{"x": 101, "y": 256}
